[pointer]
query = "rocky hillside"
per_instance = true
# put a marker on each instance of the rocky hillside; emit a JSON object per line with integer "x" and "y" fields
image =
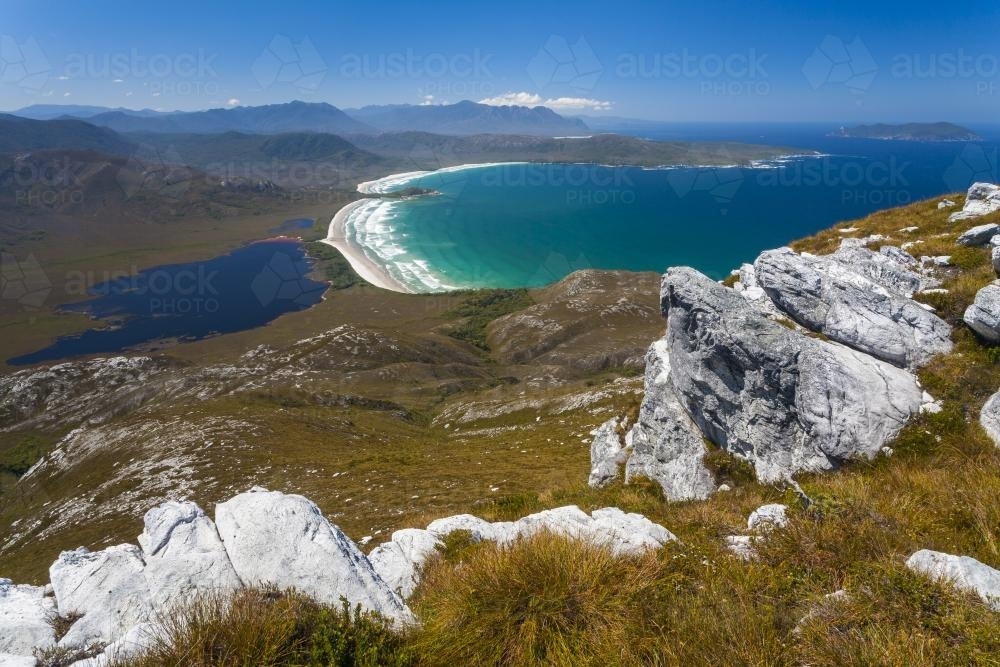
{"x": 842, "y": 392}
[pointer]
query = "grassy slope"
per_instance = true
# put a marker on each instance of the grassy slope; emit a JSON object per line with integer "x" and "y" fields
{"x": 939, "y": 490}
{"x": 700, "y": 605}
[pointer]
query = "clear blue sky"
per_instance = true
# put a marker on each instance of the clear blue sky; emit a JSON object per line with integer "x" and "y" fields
{"x": 905, "y": 65}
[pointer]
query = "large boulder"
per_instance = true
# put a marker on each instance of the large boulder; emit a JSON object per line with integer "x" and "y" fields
{"x": 989, "y": 418}
{"x": 607, "y": 454}
{"x": 982, "y": 199}
{"x": 107, "y": 588}
{"x": 824, "y": 295}
{"x": 25, "y": 614}
{"x": 667, "y": 446}
{"x": 784, "y": 401}
{"x": 399, "y": 562}
{"x": 966, "y": 574}
{"x": 978, "y": 236}
{"x": 284, "y": 540}
{"x": 983, "y": 315}
{"x": 184, "y": 555}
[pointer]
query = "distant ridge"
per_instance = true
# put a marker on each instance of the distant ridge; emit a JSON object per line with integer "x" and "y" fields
{"x": 462, "y": 118}
{"x": 466, "y": 117}
{"x": 25, "y": 134}
{"x": 269, "y": 119}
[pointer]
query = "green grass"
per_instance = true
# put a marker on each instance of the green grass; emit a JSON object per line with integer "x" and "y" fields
{"x": 481, "y": 308}
{"x": 332, "y": 266}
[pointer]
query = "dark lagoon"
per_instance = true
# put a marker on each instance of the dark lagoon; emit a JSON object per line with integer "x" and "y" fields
{"x": 244, "y": 289}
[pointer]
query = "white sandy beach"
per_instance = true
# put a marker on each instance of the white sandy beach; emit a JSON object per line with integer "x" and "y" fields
{"x": 355, "y": 255}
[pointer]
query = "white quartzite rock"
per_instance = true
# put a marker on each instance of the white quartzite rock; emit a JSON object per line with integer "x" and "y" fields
{"x": 784, "y": 401}
{"x": 978, "y": 236}
{"x": 766, "y": 517}
{"x": 184, "y": 555}
{"x": 107, "y": 587}
{"x": 399, "y": 561}
{"x": 667, "y": 446}
{"x": 983, "y": 315}
{"x": 825, "y": 296}
{"x": 25, "y": 612}
{"x": 989, "y": 418}
{"x": 279, "y": 539}
{"x": 607, "y": 453}
{"x": 967, "y": 574}
{"x": 982, "y": 199}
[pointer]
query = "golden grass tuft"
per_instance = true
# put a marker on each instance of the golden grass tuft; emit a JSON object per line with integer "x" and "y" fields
{"x": 267, "y": 627}
{"x": 541, "y": 600}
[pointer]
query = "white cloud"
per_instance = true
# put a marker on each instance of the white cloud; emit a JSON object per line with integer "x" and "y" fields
{"x": 427, "y": 101}
{"x": 62, "y": 78}
{"x": 128, "y": 94}
{"x": 67, "y": 94}
{"x": 526, "y": 99}
{"x": 233, "y": 102}
{"x": 118, "y": 81}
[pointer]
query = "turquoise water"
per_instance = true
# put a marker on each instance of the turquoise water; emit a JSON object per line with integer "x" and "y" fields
{"x": 529, "y": 225}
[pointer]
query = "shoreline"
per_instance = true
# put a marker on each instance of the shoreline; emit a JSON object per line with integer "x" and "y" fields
{"x": 370, "y": 271}
{"x": 377, "y": 275}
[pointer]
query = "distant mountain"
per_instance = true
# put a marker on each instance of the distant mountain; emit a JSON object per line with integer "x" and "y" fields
{"x": 930, "y": 132}
{"x": 24, "y": 134}
{"x": 469, "y": 118}
{"x": 422, "y": 150}
{"x": 270, "y": 119}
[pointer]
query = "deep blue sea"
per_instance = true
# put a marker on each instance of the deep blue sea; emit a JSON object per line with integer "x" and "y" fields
{"x": 528, "y": 225}
{"x": 241, "y": 290}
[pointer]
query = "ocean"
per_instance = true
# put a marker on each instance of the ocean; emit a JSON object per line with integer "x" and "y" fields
{"x": 527, "y": 225}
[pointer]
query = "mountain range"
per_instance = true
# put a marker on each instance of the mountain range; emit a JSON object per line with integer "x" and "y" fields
{"x": 462, "y": 118}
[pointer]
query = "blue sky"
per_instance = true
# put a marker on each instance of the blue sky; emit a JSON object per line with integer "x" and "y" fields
{"x": 832, "y": 61}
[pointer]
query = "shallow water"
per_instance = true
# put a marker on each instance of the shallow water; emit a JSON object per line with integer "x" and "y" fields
{"x": 528, "y": 225}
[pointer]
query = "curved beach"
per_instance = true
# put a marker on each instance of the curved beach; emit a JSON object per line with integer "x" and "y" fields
{"x": 355, "y": 255}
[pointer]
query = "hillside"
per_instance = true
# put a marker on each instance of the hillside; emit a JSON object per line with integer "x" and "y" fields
{"x": 374, "y": 406}
{"x": 268, "y": 119}
{"x": 21, "y": 134}
{"x": 434, "y": 149}
{"x": 467, "y": 117}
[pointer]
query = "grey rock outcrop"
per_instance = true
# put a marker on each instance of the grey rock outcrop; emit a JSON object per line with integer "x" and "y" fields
{"x": 978, "y": 236}
{"x": 784, "y": 401}
{"x": 607, "y": 454}
{"x": 826, "y": 296}
{"x": 995, "y": 256}
{"x": 966, "y": 574}
{"x": 983, "y": 315}
{"x": 981, "y": 199}
{"x": 893, "y": 268}
{"x": 989, "y": 418}
{"x": 667, "y": 446}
